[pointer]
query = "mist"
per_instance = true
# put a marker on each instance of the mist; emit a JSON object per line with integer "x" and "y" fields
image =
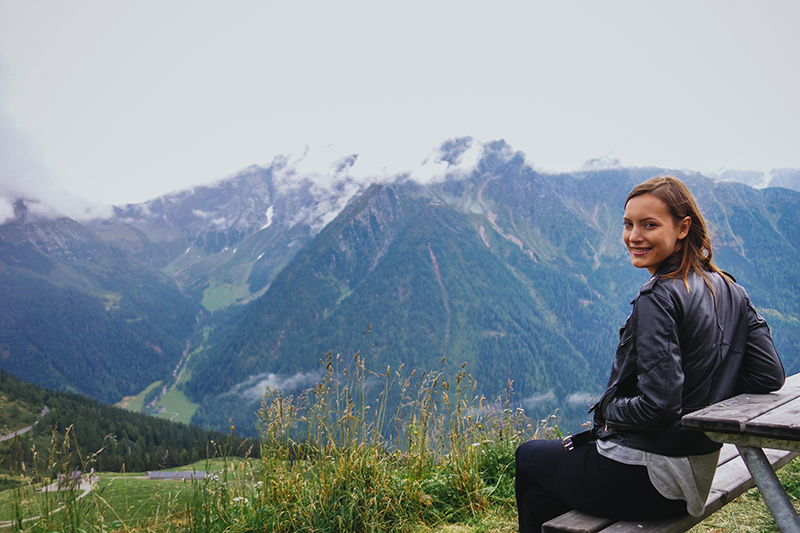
{"x": 24, "y": 176}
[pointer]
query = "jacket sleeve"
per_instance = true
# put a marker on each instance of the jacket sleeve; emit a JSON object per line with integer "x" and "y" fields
{"x": 656, "y": 401}
{"x": 762, "y": 370}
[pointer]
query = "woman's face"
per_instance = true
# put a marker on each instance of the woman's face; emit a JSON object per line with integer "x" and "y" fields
{"x": 650, "y": 232}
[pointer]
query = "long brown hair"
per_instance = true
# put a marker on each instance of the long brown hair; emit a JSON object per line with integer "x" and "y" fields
{"x": 695, "y": 249}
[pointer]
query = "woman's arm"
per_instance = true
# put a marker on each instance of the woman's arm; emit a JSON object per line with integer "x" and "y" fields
{"x": 762, "y": 369}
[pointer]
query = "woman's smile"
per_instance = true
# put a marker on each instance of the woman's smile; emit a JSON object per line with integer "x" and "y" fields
{"x": 639, "y": 251}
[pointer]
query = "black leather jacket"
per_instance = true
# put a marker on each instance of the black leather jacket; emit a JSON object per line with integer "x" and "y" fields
{"x": 681, "y": 350}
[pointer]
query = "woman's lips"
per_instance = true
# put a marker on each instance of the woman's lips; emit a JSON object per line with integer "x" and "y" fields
{"x": 639, "y": 251}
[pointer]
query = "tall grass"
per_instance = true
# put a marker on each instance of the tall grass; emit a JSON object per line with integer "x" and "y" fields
{"x": 47, "y": 495}
{"x": 361, "y": 451}
{"x": 367, "y": 452}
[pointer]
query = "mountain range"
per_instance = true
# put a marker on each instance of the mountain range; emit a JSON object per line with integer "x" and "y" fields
{"x": 514, "y": 274}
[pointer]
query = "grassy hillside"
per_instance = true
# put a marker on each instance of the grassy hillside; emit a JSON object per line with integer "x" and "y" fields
{"x": 327, "y": 465}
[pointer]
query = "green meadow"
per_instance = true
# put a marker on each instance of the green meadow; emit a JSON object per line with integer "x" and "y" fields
{"x": 177, "y": 407}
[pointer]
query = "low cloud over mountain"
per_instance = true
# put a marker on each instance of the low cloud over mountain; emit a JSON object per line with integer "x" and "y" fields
{"x": 24, "y": 177}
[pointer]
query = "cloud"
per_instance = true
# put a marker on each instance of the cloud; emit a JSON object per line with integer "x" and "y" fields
{"x": 6, "y": 210}
{"x": 332, "y": 164}
{"x": 24, "y": 177}
{"x": 254, "y": 387}
{"x": 601, "y": 163}
{"x": 455, "y": 156}
{"x": 535, "y": 400}
{"x": 581, "y": 398}
{"x": 343, "y": 165}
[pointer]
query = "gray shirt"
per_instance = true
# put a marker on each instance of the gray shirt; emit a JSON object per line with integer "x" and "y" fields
{"x": 676, "y": 478}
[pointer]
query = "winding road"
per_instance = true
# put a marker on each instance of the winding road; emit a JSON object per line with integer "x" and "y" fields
{"x": 85, "y": 486}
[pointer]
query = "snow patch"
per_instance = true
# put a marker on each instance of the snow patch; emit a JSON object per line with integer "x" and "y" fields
{"x": 269, "y": 214}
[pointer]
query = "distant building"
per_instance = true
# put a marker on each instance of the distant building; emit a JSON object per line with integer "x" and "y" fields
{"x": 72, "y": 476}
{"x": 176, "y": 475}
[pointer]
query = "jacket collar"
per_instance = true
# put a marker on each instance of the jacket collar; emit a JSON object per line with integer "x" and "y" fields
{"x": 662, "y": 270}
{"x": 667, "y": 267}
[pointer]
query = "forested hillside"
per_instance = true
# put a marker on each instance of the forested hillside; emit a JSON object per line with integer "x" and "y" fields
{"x": 78, "y": 314}
{"x": 126, "y": 441}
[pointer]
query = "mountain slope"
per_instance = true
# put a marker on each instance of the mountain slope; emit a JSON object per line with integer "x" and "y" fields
{"x": 78, "y": 314}
{"x": 225, "y": 242}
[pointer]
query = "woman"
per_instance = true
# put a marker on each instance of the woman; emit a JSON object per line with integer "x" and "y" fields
{"x": 692, "y": 339}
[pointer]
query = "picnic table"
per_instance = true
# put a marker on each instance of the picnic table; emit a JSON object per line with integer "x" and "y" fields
{"x": 761, "y": 434}
{"x": 753, "y": 422}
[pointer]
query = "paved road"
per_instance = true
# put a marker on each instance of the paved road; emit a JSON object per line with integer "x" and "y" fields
{"x": 23, "y": 430}
{"x": 85, "y": 486}
{"x": 18, "y": 432}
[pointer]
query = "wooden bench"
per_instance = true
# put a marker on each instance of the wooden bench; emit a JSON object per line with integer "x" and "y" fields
{"x": 768, "y": 421}
{"x": 731, "y": 480}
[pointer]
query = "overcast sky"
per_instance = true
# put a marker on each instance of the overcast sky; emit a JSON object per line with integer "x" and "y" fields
{"x": 120, "y": 102}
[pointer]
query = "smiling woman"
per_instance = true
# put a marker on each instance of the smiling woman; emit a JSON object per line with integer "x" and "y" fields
{"x": 691, "y": 340}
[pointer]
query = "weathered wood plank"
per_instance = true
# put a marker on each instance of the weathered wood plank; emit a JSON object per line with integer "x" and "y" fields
{"x": 783, "y": 423}
{"x": 792, "y": 381}
{"x": 730, "y": 416}
{"x": 727, "y": 453}
{"x": 576, "y": 522}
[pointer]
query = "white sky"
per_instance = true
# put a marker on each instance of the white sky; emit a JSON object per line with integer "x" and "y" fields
{"x": 120, "y": 102}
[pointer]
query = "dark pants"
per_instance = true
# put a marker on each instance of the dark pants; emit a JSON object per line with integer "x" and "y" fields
{"x": 551, "y": 481}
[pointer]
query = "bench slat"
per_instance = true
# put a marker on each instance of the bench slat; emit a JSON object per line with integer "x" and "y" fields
{"x": 576, "y": 522}
{"x": 727, "y": 453}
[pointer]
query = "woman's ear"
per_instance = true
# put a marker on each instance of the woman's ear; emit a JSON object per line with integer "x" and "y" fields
{"x": 683, "y": 227}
